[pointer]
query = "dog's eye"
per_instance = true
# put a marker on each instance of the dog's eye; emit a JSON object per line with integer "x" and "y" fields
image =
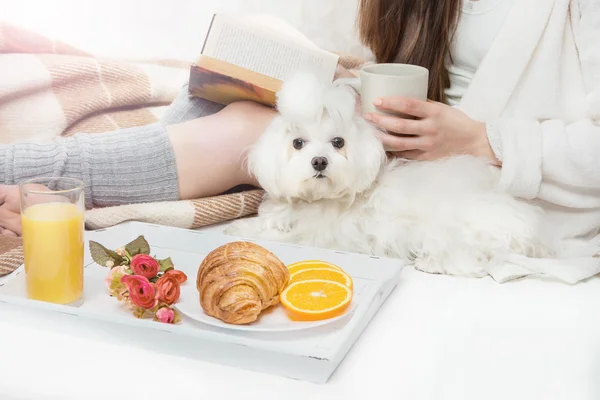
{"x": 298, "y": 144}
{"x": 338, "y": 142}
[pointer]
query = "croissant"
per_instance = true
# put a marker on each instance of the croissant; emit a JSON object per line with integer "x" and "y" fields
{"x": 239, "y": 280}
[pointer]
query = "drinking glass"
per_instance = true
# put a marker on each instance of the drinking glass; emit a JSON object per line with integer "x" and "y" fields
{"x": 52, "y": 218}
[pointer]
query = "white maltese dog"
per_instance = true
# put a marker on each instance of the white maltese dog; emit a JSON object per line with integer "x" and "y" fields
{"x": 329, "y": 184}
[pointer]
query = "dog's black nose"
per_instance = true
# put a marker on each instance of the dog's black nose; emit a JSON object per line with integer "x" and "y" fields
{"x": 319, "y": 163}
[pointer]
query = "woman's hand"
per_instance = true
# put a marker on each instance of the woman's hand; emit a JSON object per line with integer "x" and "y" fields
{"x": 10, "y": 210}
{"x": 440, "y": 130}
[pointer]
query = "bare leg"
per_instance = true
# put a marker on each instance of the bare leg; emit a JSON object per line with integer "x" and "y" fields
{"x": 210, "y": 151}
{"x": 209, "y": 154}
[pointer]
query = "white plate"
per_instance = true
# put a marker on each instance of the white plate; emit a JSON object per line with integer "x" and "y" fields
{"x": 273, "y": 319}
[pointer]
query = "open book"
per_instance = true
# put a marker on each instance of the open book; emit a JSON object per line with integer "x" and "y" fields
{"x": 248, "y": 58}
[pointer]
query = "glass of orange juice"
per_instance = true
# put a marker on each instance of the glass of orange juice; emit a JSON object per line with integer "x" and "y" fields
{"x": 52, "y": 217}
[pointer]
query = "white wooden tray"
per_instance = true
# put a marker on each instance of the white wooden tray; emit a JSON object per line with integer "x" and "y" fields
{"x": 311, "y": 354}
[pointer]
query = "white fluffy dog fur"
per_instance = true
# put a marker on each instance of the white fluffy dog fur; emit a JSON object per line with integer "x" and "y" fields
{"x": 445, "y": 216}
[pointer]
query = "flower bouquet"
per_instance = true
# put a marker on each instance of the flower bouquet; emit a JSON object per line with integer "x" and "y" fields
{"x": 145, "y": 284}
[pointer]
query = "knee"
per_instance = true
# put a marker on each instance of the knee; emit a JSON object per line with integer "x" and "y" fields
{"x": 249, "y": 116}
{"x": 248, "y": 108}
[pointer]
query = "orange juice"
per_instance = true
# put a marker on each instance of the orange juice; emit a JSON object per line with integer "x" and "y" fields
{"x": 53, "y": 249}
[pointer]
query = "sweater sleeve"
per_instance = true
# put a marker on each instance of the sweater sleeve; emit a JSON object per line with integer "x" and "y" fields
{"x": 588, "y": 46}
{"x": 552, "y": 159}
{"x": 134, "y": 165}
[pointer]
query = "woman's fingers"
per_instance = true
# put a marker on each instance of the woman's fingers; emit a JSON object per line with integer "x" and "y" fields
{"x": 399, "y": 125}
{"x": 10, "y": 221}
{"x": 405, "y": 143}
{"x": 404, "y": 105}
{"x": 6, "y": 232}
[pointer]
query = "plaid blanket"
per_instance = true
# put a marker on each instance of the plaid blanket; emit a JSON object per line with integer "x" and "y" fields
{"x": 68, "y": 90}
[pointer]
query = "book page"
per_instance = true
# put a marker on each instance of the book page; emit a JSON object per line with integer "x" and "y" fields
{"x": 262, "y": 50}
{"x": 277, "y": 26}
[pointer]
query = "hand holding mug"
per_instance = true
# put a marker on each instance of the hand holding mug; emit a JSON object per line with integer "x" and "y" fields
{"x": 438, "y": 131}
{"x": 394, "y": 98}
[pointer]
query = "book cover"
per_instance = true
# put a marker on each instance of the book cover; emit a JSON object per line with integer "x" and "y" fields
{"x": 225, "y": 83}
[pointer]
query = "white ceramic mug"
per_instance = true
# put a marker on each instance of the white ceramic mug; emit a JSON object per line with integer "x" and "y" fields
{"x": 378, "y": 80}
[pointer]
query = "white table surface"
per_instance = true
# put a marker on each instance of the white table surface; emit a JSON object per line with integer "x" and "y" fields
{"x": 436, "y": 337}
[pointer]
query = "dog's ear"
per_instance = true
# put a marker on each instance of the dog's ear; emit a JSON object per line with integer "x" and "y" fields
{"x": 267, "y": 155}
{"x": 367, "y": 156}
{"x": 301, "y": 97}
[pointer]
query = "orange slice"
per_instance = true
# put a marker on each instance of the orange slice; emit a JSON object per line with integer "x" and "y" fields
{"x": 326, "y": 274}
{"x": 309, "y": 264}
{"x": 315, "y": 300}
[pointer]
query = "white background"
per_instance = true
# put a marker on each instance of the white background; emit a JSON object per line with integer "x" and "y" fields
{"x": 173, "y": 28}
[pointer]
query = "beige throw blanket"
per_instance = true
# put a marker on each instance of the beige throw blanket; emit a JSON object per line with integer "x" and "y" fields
{"x": 48, "y": 88}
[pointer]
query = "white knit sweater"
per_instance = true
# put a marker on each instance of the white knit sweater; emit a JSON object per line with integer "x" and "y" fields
{"x": 538, "y": 88}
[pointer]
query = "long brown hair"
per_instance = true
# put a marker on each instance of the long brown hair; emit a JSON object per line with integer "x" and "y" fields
{"x": 411, "y": 32}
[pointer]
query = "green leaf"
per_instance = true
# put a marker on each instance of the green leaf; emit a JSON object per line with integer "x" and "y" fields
{"x": 177, "y": 318}
{"x": 166, "y": 264}
{"x": 101, "y": 255}
{"x": 138, "y": 246}
{"x": 139, "y": 312}
{"x": 154, "y": 309}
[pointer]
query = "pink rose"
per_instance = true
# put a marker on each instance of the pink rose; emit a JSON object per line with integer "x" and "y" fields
{"x": 167, "y": 289}
{"x": 141, "y": 291}
{"x": 166, "y": 315}
{"x": 144, "y": 265}
{"x": 179, "y": 275}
